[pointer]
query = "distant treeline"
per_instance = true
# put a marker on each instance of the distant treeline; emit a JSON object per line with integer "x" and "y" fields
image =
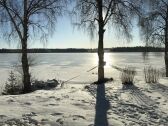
{"x": 75, "y": 50}
{"x": 36, "y": 50}
{"x": 137, "y": 49}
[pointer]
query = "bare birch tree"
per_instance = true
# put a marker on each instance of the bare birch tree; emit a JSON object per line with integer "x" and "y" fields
{"x": 96, "y": 15}
{"x": 22, "y": 19}
{"x": 154, "y": 24}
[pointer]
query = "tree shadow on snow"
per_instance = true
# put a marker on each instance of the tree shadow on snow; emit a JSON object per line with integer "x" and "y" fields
{"x": 102, "y": 106}
{"x": 160, "y": 88}
{"x": 136, "y": 94}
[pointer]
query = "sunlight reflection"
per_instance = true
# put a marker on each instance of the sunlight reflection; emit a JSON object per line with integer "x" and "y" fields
{"x": 107, "y": 58}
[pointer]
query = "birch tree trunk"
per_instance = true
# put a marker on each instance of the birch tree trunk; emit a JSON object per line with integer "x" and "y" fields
{"x": 100, "y": 42}
{"x": 25, "y": 65}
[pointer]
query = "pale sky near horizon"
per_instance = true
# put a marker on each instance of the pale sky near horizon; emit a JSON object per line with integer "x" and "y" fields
{"x": 65, "y": 36}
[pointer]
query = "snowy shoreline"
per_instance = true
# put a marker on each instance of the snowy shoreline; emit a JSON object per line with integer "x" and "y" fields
{"x": 74, "y": 105}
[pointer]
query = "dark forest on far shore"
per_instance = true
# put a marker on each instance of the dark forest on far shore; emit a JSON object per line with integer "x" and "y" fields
{"x": 82, "y": 50}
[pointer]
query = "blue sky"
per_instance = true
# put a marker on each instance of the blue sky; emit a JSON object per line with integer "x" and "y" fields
{"x": 66, "y": 36}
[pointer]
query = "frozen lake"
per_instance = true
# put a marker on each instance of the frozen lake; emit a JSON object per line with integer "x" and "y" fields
{"x": 67, "y": 65}
{"x": 84, "y": 59}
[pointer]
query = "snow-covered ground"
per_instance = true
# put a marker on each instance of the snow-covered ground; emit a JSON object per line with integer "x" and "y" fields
{"x": 75, "y": 105}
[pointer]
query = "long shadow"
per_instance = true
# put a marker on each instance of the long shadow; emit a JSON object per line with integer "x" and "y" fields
{"x": 162, "y": 89}
{"x": 138, "y": 95}
{"x": 102, "y": 106}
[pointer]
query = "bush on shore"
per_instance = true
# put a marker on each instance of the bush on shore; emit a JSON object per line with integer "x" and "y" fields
{"x": 127, "y": 75}
{"x": 11, "y": 86}
{"x": 151, "y": 74}
{"x": 14, "y": 85}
